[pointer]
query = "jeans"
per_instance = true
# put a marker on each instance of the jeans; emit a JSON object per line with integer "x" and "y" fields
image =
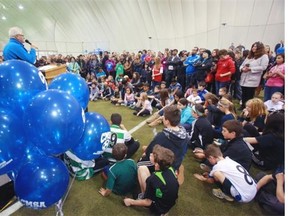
{"x": 219, "y": 85}
{"x": 269, "y": 91}
{"x": 188, "y": 80}
{"x": 236, "y": 90}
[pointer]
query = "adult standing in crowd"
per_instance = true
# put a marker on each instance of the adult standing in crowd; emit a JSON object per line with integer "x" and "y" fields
{"x": 15, "y": 49}
{"x": 172, "y": 64}
{"x": 190, "y": 69}
{"x": 251, "y": 71}
{"x": 204, "y": 66}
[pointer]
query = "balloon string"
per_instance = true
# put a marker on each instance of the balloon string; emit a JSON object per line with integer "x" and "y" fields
{"x": 60, "y": 203}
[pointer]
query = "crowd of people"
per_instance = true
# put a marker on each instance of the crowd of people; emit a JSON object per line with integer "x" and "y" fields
{"x": 194, "y": 96}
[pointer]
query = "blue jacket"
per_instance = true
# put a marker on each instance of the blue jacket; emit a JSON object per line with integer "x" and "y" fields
{"x": 16, "y": 50}
{"x": 190, "y": 61}
{"x": 186, "y": 116}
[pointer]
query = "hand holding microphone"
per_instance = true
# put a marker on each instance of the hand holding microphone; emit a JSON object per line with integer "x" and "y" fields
{"x": 33, "y": 46}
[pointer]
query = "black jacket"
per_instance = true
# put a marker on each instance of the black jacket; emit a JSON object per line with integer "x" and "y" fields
{"x": 237, "y": 150}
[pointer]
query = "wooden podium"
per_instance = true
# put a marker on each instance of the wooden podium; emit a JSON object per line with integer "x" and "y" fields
{"x": 51, "y": 71}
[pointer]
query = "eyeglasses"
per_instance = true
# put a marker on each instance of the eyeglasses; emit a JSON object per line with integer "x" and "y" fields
{"x": 20, "y": 35}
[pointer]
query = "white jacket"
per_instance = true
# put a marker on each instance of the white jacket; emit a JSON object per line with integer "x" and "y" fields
{"x": 252, "y": 78}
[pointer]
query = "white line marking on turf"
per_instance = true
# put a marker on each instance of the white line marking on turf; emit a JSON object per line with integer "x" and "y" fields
{"x": 11, "y": 209}
{"x": 137, "y": 127}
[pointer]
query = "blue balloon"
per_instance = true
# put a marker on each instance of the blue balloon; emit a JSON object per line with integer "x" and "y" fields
{"x": 74, "y": 85}
{"x": 96, "y": 135}
{"x": 41, "y": 183}
{"x": 31, "y": 153}
{"x": 12, "y": 141}
{"x": 54, "y": 121}
{"x": 19, "y": 82}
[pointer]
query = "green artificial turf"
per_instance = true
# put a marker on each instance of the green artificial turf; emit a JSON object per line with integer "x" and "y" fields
{"x": 195, "y": 197}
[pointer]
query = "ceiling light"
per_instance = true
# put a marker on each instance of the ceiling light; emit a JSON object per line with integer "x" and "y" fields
{"x": 3, "y": 18}
{"x": 21, "y": 7}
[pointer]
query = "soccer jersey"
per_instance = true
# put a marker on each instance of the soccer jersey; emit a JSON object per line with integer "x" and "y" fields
{"x": 123, "y": 136}
{"x": 83, "y": 169}
{"x": 162, "y": 188}
{"x": 241, "y": 180}
{"x": 122, "y": 177}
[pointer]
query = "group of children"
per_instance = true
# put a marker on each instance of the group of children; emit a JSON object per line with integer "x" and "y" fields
{"x": 193, "y": 120}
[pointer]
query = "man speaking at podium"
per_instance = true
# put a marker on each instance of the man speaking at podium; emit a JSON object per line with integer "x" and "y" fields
{"x": 15, "y": 49}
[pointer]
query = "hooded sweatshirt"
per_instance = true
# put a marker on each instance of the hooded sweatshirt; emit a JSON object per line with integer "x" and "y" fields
{"x": 176, "y": 141}
{"x": 225, "y": 65}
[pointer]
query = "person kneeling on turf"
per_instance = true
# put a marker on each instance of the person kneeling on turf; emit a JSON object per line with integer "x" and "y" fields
{"x": 236, "y": 182}
{"x": 161, "y": 187}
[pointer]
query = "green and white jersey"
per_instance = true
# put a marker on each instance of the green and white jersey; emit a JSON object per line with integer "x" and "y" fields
{"x": 123, "y": 136}
{"x": 83, "y": 169}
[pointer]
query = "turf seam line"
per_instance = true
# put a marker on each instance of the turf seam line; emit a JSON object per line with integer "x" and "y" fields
{"x": 137, "y": 127}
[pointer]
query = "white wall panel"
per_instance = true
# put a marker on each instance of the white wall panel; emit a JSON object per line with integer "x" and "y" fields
{"x": 78, "y": 26}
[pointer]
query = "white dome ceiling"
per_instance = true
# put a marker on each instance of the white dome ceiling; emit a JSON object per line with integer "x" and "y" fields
{"x": 79, "y": 26}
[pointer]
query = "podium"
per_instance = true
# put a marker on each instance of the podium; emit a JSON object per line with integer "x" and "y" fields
{"x": 51, "y": 71}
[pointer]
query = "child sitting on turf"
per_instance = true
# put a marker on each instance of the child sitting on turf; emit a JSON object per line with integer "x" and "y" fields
{"x": 122, "y": 176}
{"x": 186, "y": 114}
{"x": 202, "y": 90}
{"x": 94, "y": 92}
{"x": 189, "y": 90}
{"x": 236, "y": 183}
{"x": 143, "y": 106}
{"x": 276, "y": 102}
{"x": 222, "y": 92}
{"x": 122, "y": 136}
{"x": 161, "y": 187}
{"x": 129, "y": 97}
{"x": 194, "y": 98}
{"x": 202, "y": 132}
{"x": 116, "y": 98}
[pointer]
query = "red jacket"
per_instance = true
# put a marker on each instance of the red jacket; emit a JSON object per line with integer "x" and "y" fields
{"x": 225, "y": 65}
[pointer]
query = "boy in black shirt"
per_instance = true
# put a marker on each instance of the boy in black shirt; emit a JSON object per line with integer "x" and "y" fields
{"x": 161, "y": 191}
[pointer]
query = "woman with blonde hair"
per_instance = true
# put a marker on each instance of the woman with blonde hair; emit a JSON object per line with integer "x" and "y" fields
{"x": 253, "y": 116}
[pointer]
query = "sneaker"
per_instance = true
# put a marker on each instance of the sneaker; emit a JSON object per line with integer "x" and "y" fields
{"x": 219, "y": 193}
{"x": 140, "y": 196}
{"x": 204, "y": 167}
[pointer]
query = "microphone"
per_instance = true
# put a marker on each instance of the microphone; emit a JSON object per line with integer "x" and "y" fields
{"x": 27, "y": 41}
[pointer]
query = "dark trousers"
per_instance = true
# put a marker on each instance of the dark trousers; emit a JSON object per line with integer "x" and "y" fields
{"x": 247, "y": 94}
{"x": 267, "y": 199}
{"x": 132, "y": 147}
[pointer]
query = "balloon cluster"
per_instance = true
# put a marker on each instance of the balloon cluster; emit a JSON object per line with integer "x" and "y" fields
{"x": 38, "y": 124}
